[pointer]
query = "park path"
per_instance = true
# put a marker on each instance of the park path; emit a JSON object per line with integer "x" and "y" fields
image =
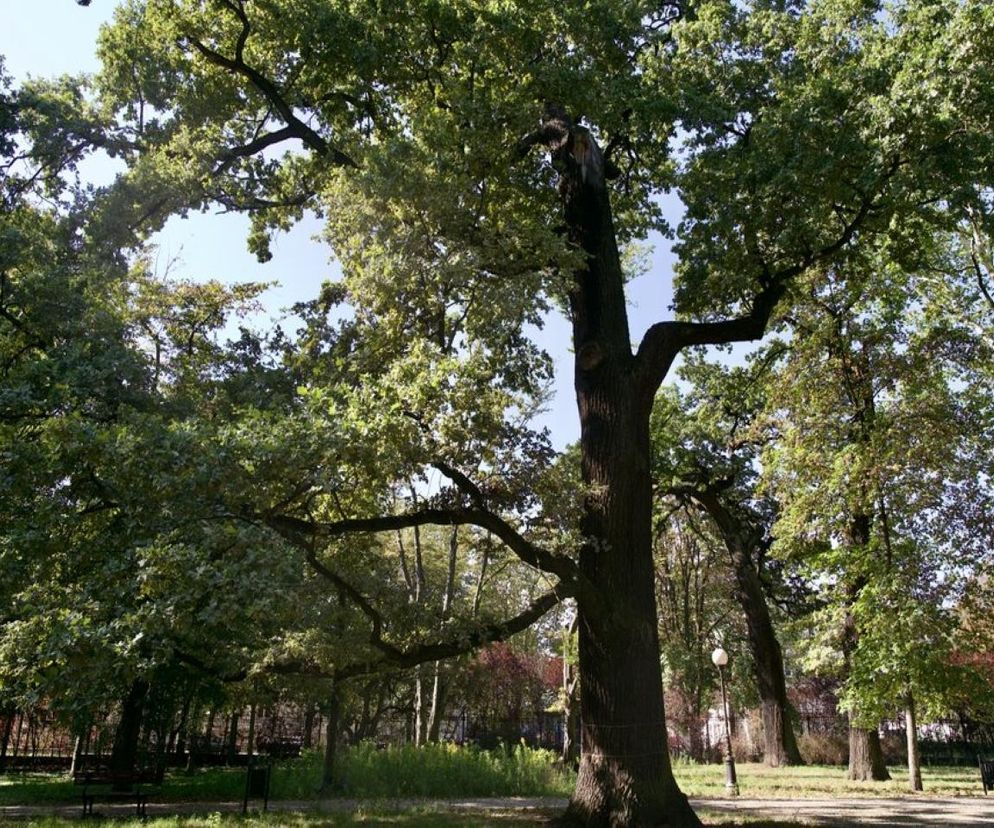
{"x": 880, "y": 812}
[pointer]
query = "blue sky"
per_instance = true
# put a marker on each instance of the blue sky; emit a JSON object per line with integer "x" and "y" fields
{"x": 44, "y": 38}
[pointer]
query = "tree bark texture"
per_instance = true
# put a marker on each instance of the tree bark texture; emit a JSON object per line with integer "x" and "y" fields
{"x": 914, "y": 759}
{"x": 625, "y": 778}
{"x": 779, "y": 743}
{"x": 866, "y": 758}
{"x": 331, "y": 740}
{"x": 742, "y": 542}
{"x": 124, "y": 752}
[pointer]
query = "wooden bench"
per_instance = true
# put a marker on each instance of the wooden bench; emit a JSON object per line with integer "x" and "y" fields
{"x": 986, "y": 773}
{"x": 107, "y": 784}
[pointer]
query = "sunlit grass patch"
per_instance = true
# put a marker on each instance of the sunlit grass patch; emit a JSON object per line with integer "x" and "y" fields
{"x": 811, "y": 781}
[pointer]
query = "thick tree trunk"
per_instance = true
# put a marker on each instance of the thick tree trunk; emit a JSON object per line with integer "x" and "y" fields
{"x": 866, "y": 758}
{"x": 625, "y": 778}
{"x": 124, "y": 752}
{"x": 742, "y": 542}
{"x": 779, "y": 743}
{"x": 914, "y": 760}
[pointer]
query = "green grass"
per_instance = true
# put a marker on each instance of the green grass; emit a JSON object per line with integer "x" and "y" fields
{"x": 444, "y": 771}
{"x": 813, "y": 781}
{"x": 440, "y": 771}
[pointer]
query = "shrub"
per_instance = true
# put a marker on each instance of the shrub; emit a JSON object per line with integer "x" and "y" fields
{"x": 824, "y": 748}
{"x": 438, "y": 770}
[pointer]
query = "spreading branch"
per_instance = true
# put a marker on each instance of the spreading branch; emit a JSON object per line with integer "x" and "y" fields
{"x": 664, "y": 340}
{"x": 461, "y": 642}
{"x": 295, "y": 127}
{"x": 298, "y": 531}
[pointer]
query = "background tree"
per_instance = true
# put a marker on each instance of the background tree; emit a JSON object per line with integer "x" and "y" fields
{"x": 875, "y": 471}
{"x": 707, "y": 458}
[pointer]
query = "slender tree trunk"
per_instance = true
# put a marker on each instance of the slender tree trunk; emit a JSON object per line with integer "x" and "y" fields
{"x": 420, "y": 717}
{"x": 8, "y": 727}
{"x": 179, "y": 742}
{"x": 625, "y": 777}
{"x": 571, "y": 711}
{"x": 77, "y": 754}
{"x": 232, "y": 746}
{"x": 439, "y": 685}
{"x": 17, "y": 734}
{"x": 250, "y": 748}
{"x": 209, "y": 731}
{"x": 439, "y": 691}
{"x": 866, "y": 758}
{"x": 331, "y": 741}
{"x": 124, "y": 752}
{"x": 308, "y": 727}
{"x": 914, "y": 759}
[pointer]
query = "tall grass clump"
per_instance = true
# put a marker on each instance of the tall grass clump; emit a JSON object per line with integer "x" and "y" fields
{"x": 447, "y": 770}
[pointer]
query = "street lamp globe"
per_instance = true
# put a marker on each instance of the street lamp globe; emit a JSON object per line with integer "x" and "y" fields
{"x": 719, "y": 657}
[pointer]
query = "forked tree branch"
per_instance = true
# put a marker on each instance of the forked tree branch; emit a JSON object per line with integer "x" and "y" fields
{"x": 664, "y": 340}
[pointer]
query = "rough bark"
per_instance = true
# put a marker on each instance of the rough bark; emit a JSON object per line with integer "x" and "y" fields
{"x": 625, "y": 776}
{"x": 124, "y": 753}
{"x": 866, "y": 758}
{"x": 742, "y": 542}
{"x": 914, "y": 759}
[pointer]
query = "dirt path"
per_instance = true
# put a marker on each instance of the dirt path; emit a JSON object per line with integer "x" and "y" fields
{"x": 893, "y": 812}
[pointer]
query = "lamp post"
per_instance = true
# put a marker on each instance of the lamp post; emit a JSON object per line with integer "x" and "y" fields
{"x": 720, "y": 658}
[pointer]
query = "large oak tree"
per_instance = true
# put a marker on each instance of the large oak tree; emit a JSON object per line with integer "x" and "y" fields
{"x": 480, "y": 161}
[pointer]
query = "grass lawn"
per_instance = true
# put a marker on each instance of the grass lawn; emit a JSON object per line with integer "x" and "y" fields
{"x": 376, "y": 777}
{"x": 812, "y": 781}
